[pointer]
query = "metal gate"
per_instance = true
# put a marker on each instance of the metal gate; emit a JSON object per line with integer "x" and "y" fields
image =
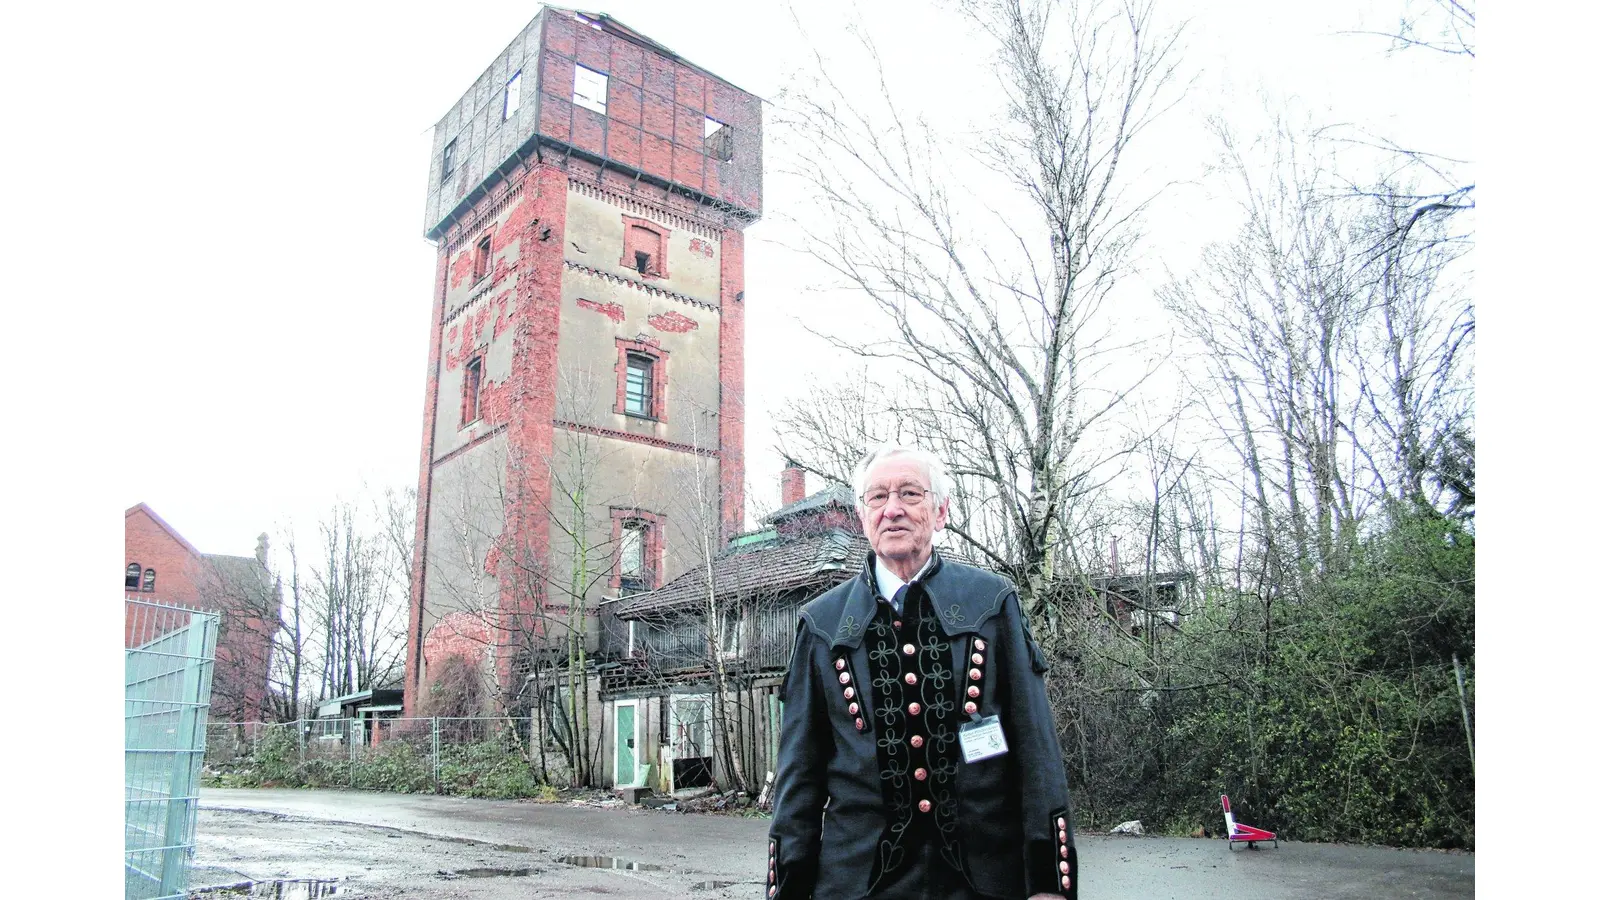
{"x": 169, "y": 659}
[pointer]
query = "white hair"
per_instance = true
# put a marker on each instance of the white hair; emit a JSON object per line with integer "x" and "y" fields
{"x": 938, "y": 481}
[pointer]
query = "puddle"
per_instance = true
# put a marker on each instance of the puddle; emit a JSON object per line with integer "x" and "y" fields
{"x": 289, "y": 889}
{"x": 609, "y": 862}
{"x": 484, "y": 873}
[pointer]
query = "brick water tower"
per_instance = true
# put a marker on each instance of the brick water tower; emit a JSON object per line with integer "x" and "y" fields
{"x": 583, "y": 427}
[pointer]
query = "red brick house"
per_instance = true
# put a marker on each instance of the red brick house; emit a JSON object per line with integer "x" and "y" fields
{"x": 162, "y": 567}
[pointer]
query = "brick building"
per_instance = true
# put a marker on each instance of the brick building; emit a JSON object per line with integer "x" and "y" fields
{"x": 582, "y": 425}
{"x": 161, "y": 566}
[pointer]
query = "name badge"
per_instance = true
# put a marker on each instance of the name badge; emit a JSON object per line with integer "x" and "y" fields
{"x": 982, "y": 739}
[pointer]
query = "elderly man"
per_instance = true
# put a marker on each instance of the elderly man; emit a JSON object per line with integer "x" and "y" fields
{"x": 919, "y": 755}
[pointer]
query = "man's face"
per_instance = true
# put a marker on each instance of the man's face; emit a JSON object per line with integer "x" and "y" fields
{"x": 896, "y": 531}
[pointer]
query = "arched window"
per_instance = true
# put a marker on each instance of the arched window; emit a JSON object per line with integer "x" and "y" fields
{"x": 131, "y": 581}
{"x": 149, "y": 579}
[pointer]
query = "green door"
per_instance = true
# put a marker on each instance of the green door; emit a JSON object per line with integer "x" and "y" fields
{"x": 626, "y": 753}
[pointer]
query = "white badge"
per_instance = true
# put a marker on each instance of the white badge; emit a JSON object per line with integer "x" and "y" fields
{"x": 982, "y": 739}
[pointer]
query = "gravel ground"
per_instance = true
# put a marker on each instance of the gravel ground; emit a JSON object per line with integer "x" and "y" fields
{"x": 424, "y": 847}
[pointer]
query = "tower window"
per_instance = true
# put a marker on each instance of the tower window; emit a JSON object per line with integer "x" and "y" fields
{"x": 639, "y": 398}
{"x": 480, "y": 258}
{"x": 149, "y": 579}
{"x": 448, "y": 165}
{"x": 589, "y": 89}
{"x": 631, "y": 557}
{"x": 131, "y": 580}
{"x": 471, "y": 383}
{"x": 641, "y": 261}
{"x": 513, "y": 98}
{"x": 719, "y": 140}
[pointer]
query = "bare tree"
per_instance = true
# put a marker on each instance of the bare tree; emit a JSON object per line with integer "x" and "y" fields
{"x": 523, "y": 552}
{"x": 1000, "y": 330}
{"x": 356, "y": 611}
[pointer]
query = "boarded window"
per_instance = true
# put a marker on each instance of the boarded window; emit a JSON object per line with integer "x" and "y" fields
{"x": 589, "y": 89}
{"x": 480, "y": 258}
{"x": 131, "y": 580}
{"x": 471, "y": 383}
{"x": 149, "y": 579}
{"x": 646, "y": 245}
{"x": 448, "y": 165}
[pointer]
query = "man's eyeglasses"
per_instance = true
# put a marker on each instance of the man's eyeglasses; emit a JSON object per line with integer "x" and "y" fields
{"x": 911, "y": 496}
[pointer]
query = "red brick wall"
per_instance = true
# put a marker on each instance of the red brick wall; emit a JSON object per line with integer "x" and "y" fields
{"x": 177, "y": 564}
{"x": 791, "y": 485}
{"x": 458, "y": 633}
{"x": 419, "y": 563}
{"x": 655, "y": 112}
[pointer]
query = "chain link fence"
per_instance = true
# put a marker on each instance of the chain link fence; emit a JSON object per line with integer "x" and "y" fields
{"x": 495, "y": 757}
{"x": 169, "y": 653}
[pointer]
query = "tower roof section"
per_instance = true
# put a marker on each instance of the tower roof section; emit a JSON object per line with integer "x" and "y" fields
{"x": 578, "y": 85}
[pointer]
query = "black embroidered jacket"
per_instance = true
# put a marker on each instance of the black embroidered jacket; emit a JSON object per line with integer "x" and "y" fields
{"x": 869, "y": 763}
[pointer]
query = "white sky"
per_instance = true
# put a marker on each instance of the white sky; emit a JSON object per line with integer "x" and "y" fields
{"x": 282, "y": 155}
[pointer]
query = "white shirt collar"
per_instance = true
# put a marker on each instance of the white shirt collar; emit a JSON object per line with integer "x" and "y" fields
{"x": 889, "y": 583}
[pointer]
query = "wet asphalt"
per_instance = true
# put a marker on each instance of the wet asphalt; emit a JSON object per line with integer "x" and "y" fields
{"x": 424, "y": 847}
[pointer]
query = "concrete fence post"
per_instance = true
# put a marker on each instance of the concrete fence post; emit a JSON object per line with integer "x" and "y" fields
{"x": 436, "y": 754}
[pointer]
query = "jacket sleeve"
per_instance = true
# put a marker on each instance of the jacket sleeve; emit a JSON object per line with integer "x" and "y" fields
{"x": 804, "y": 749}
{"x": 1048, "y": 843}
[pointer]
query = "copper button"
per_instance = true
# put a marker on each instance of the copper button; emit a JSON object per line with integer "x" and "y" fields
{"x": 838, "y": 664}
{"x": 849, "y": 693}
{"x": 1065, "y": 882}
{"x": 897, "y": 623}
{"x": 911, "y": 677}
{"x": 979, "y": 645}
{"x": 977, "y": 659}
{"x": 855, "y": 708}
{"x": 1065, "y": 868}
{"x": 1061, "y": 822}
{"x": 914, "y": 708}
{"x": 975, "y": 675}
{"x": 970, "y": 708}
{"x": 924, "y": 805}
{"x": 1063, "y": 851}
{"x": 860, "y": 725}
{"x": 844, "y": 677}
{"x": 908, "y": 649}
{"x": 916, "y": 740}
{"x": 973, "y": 692}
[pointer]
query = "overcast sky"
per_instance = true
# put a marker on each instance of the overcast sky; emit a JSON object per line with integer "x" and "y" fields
{"x": 280, "y": 315}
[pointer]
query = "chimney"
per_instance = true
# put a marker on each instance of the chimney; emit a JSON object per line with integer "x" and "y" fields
{"x": 792, "y": 483}
{"x": 261, "y": 549}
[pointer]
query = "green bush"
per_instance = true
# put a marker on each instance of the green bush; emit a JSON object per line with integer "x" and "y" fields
{"x": 1331, "y": 714}
{"x": 394, "y": 766}
{"x": 487, "y": 769}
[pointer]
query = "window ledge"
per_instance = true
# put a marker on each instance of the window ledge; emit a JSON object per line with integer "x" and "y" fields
{"x": 642, "y": 417}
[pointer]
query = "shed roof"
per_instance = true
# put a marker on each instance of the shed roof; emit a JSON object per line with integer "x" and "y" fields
{"x": 765, "y": 565}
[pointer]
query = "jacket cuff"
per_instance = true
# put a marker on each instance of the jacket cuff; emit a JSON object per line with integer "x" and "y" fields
{"x": 1052, "y": 863}
{"x": 789, "y": 881}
